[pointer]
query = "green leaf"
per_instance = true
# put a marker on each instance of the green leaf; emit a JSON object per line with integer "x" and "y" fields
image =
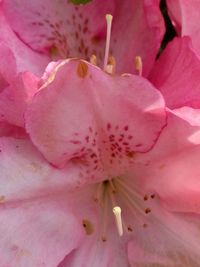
{"x": 78, "y": 2}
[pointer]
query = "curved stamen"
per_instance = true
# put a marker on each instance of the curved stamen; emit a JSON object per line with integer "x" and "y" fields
{"x": 132, "y": 191}
{"x": 123, "y": 190}
{"x": 105, "y": 215}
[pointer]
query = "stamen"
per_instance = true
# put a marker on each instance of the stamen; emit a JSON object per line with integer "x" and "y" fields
{"x": 118, "y": 219}
{"x": 112, "y": 186}
{"x": 98, "y": 193}
{"x": 104, "y": 218}
{"x": 110, "y": 68}
{"x": 134, "y": 202}
{"x": 109, "y": 18}
{"x": 93, "y": 60}
{"x": 111, "y": 194}
{"x": 133, "y": 191}
{"x": 138, "y": 65}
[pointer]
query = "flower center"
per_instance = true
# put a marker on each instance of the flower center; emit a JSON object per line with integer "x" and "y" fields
{"x": 118, "y": 196}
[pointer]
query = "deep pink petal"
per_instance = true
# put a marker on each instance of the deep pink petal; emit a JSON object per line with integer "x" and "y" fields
{"x": 96, "y": 118}
{"x": 7, "y": 129}
{"x": 7, "y": 74}
{"x": 138, "y": 30}
{"x": 178, "y": 79}
{"x": 185, "y": 15}
{"x": 63, "y": 30}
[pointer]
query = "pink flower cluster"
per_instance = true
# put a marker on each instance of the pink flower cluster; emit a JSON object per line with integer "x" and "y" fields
{"x": 99, "y": 156}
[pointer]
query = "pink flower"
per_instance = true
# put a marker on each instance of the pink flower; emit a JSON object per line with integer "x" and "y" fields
{"x": 109, "y": 146}
{"x": 52, "y": 30}
{"x": 94, "y": 174}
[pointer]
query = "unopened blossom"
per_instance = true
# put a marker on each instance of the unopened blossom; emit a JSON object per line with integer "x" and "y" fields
{"x": 43, "y": 31}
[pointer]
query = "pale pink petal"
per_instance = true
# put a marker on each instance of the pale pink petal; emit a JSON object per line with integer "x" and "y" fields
{"x": 61, "y": 29}
{"x": 96, "y": 116}
{"x": 168, "y": 240}
{"x": 26, "y": 175}
{"x": 185, "y": 15}
{"x": 26, "y": 58}
{"x": 178, "y": 79}
{"x": 94, "y": 252}
{"x": 15, "y": 98}
{"x": 39, "y": 233}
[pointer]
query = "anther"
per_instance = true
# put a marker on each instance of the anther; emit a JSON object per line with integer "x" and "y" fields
{"x": 110, "y": 68}
{"x": 93, "y": 60}
{"x": 147, "y": 210}
{"x": 145, "y": 197}
{"x": 129, "y": 228}
{"x": 138, "y": 65}
{"x": 108, "y": 34}
{"x": 118, "y": 219}
{"x": 145, "y": 225}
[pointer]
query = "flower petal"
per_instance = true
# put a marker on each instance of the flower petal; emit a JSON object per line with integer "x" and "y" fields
{"x": 186, "y": 17}
{"x": 15, "y": 98}
{"x": 168, "y": 240}
{"x": 37, "y": 233}
{"x": 178, "y": 80}
{"x": 173, "y": 169}
{"x": 95, "y": 251}
{"x": 26, "y": 58}
{"x": 6, "y": 74}
{"x": 85, "y": 111}
{"x": 7, "y": 129}
{"x": 26, "y": 175}
{"x": 139, "y": 26}
{"x": 61, "y": 29}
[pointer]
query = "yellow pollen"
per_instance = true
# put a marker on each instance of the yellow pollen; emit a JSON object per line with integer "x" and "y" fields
{"x": 118, "y": 219}
{"x": 108, "y": 34}
{"x": 82, "y": 69}
{"x": 138, "y": 65}
{"x": 93, "y": 60}
{"x": 110, "y": 68}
